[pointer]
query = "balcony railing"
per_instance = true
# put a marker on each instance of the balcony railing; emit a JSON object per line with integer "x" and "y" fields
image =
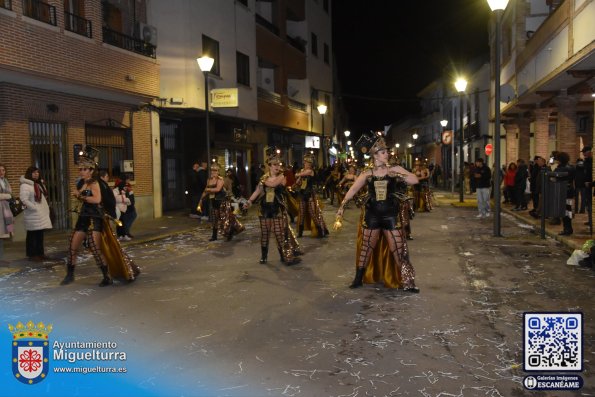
{"x": 129, "y": 43}
{"x": 77, "y": 24}
{"x": 266, "y": 24}
{"x": 298, "y": 43}
{"x": 295, "y": 105}
{"x": 7, "y": 4}
{"x": 39, "y": 10}
{"x": 269, "y": 96}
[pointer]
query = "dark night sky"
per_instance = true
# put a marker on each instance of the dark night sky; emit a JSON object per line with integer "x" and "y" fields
{"x": 403, "y": 46}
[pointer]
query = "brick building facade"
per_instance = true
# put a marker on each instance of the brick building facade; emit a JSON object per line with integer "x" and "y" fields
{"x": 70, "y": 77}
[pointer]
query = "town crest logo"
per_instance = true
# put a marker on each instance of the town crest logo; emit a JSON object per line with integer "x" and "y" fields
{"x": 30, "y": 351}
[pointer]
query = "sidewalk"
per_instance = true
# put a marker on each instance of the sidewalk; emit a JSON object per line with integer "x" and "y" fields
{"x": 56, "y": 242}
{"x": 572, "y": 242}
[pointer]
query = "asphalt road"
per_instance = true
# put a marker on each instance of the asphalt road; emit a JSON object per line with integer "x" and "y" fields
{"x": 206, "y": 319}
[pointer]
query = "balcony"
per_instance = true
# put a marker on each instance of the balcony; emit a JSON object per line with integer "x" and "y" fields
{"x": 39, "y": 10}
{"x": 76, "y": 24}
{"x": 266, "y": 24}
{"x": 295, "y": 105}
{"x": 129, "y": 43}
{"x": 6, "y": 4}
{"x": 269, "y": 96}
{"x": 297, "y": 43}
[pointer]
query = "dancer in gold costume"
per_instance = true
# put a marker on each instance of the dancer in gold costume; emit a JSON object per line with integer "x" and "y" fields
{"x": 382, "y": 252}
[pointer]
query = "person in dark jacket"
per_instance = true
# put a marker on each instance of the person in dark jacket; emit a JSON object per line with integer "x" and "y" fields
{"x": 130, "y": 215}
{"x": 588, "y": 180}
{"x": 535, "y": 178}
{"x": 108, "y": 200}
{"x": 520, "y": 184}
{"x": 482, "y": 181}
{"x": 562, "y": 159}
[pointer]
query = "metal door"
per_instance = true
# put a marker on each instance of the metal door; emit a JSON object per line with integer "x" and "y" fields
{"x": 172, "y": 174}
{"x": 48, "y": 152}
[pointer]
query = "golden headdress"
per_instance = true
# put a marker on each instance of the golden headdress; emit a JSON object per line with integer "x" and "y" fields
{"x": 272, "y": 155}
{"x": 309, "y": 157}
{"x": 371, "y": 143}
{"x": 87, "y": 157}
{"x": 215, "y": 165}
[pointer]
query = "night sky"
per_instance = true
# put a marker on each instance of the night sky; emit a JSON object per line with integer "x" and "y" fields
{"x": 386, "y": 51}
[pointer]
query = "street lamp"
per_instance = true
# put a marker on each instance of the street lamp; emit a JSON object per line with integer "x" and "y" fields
{"x": 497, "y": 6}
{"x": 415, "y": 136}
{"x": 460, "y": 85}
{"x": 444, "y": 123}
{"x": 205, "y": 63}
{"x": 322, "y": 110}
{"x": 347, "y": 133}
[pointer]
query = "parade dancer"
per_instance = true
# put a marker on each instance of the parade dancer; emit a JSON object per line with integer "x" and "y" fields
{"x": 421, "y": 191}
{"x": 379, "y": 223}
{"x": 215, "y": 193}
{"x": 310, "y": 211}
{"x": 91, "y": 224}
{"x": 228, "y": 223}
{"x": 345, "y": 184}
{"x": 273, "y": 212}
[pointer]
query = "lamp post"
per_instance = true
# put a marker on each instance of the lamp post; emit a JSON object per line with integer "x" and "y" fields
{"x": 322, "y": 110}
{"x": 497, "y": 6}
{"x": 205, "y": 63}
{"x": 460, "y": 85}
{"x": 444, "y": 123}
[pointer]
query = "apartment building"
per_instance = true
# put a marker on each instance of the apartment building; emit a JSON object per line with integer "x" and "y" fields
{"x": 76, "y": 73}
{"x": 272, "y": 57}
{"x": 547, "y": 77}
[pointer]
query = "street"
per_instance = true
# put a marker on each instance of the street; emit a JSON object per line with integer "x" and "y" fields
{"x": 206, "y": 319}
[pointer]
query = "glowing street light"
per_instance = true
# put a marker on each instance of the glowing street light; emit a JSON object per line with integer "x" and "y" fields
{"x": 322, "y": 108}
{"x": 461, "y": 85}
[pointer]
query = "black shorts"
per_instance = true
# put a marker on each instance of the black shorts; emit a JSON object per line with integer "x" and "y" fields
{"x": 89, "y": 224}
{"x": 381, "y": 215}
{"x": 269, "y": 211}
{"x": 215, "y": 204}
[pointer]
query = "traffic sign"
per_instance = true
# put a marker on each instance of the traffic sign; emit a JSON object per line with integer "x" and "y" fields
{"x": 488, "y": 149}
{"x": 447, "y": 137}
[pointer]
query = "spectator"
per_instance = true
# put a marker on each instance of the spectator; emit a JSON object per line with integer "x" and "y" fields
{"x": 130, "y": 215}
{"x": 580, "y": 190}
{"x": 538, "y": 166}
{"x": 482, "y": 180}
{"x": 520, "y": 184}
{"x": 588, "y": 155}
{"x": 6, "y": 218}
{"x": 33, "y": 193}
{"x": 562, "y": 159}
{"x": 509, "y": 184}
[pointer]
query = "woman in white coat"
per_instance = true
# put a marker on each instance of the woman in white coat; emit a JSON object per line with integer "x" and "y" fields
{"x": 37, "y": 212}
{"x": 6, "y": 219}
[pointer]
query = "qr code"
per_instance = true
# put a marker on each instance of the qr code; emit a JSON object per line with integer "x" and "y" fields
{"x": 553, "y": 341}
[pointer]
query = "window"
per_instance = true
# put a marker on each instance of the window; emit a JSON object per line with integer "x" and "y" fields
{"x": 314, "y": 44}
{"x": 210, "y": 47}
{"x": 114, "y": 145}
{"x": 325, "y": 5}
{"x": 326, "y": 54}
{"x": 243, "y": 68}
{"x": 327, "y": 100}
